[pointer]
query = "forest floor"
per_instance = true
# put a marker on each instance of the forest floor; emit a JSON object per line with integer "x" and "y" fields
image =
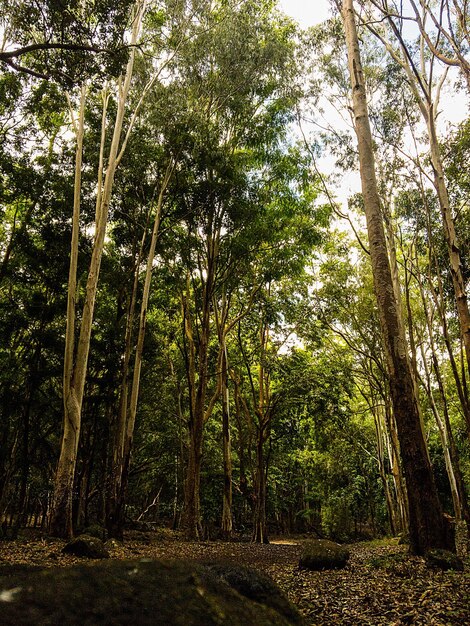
{"x": 381, "y": 585}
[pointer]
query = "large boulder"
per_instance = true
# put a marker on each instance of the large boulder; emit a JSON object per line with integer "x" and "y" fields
{"x": 135, "y": 592}
{"x": 321, "y": 554}
{"x": 86, "y": 546}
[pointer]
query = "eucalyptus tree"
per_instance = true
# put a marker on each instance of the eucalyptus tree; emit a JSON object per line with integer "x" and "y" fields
{"x": 344, "y": 302}
{"x": 426, "y": 81}
{"x": 296, "y": 226}
{"x": 236, "y": 91}
{"x": 427, "y": 525}
{"x": 421, "y": 251}
{"x": 443, "y": 26}
{"x": 77, "y": 351}
{"x": 35, "y": 187}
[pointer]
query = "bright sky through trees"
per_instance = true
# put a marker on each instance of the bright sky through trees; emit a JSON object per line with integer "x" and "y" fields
{"x": 306, "y": 12}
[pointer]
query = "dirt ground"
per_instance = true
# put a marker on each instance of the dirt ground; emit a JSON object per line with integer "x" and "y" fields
{"x": 381, "y": 585}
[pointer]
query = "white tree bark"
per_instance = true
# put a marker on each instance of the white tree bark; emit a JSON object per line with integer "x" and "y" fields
{"x": 75, "y": 365}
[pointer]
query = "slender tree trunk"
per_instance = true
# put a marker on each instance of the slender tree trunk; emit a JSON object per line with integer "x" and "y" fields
{"x": 112, "y": 506}
{"x": 75, "y": 369}
{"x": 439, "y": 303}
{"x": 127, "y": 414}
{"x": 393, "y": 448}
{"x": 451, "y": 455}
{"x": 198, "y": 383}
{"x": 264, "y": 414}
{"x": 223, "y": 380}
{"x": 427, "y": 524}
{"x": 383, "y": 475}
{"x": 60, "y": 523}
{"x": 260, "y": 531}
{"x": 453, "y": 247}
{"x": 244, "y": 443}
{"x": 444, "y": 441}
{"x": 227, "y": 524}
{"x": 191, "y": 518}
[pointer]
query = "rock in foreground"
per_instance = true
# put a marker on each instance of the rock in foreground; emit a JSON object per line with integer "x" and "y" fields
{"x": 133, "y": 592}
{"x": 258, "y": 587}
{"x": 322, "y": 554}
{"x": 87, "y": 546}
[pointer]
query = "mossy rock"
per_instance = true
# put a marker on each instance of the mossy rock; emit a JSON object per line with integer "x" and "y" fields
{"x": 86, "y": 546}
{"x": 323, "y": 554}
{"x": 133, "y": 592}
{"x": 443, "y": 559}
{"x": 95, "y": 530}
{"x": 259, "y": 587}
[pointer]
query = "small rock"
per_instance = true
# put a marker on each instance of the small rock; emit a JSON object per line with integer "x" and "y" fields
{"x": 443, "y": 559}
{"x": 87, "y": 546}
{"x": 323, "y": 554}
{"x": 112, "y": 544}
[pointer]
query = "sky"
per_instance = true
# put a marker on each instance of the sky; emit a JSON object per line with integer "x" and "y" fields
{"x": 306, "y": 12}
{"x": 453, "y": 109}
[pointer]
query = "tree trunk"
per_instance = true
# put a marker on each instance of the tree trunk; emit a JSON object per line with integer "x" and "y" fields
{"x": 260, "y": 531}
{"x": 451, "y": 456}
{"x": 75, "y": 370}
{"x": 264, "y": 414}
{"x": 127, "y": 413}
{"x": 453, "y": 247}
{"x": 427, "y": 524}
{"x": 227, "y": 524}
{"x": 393, "y": 449}
{"x": 191, "y": 518}
{"x": 383, "y": 474}
{"x": 197, "y": 372}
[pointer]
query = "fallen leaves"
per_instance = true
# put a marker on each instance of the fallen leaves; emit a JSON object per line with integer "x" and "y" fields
{"x": 381, "y": 585}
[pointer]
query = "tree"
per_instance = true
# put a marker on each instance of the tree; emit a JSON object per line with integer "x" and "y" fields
{"x": 421, "y": 78}
{"x": 76, "y": 356}
{"x": 427, "y": 525}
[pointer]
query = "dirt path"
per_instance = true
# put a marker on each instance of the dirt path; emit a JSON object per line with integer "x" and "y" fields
{"x": 381, "y": 585}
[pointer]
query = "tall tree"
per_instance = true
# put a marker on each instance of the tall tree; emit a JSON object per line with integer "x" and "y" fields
{"x": 426, "y": 89}
{"x": 427, "y": 524}
{"x": 76, "y": 355}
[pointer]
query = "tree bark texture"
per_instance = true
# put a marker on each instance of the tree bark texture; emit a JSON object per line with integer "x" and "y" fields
{"x": 227, "y": 524}
{"x": 427, "y": 524}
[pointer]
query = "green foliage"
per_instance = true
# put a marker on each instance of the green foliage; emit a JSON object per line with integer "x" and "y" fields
{"x": 242, "y": 201}
{"x": 95, "y": 24}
